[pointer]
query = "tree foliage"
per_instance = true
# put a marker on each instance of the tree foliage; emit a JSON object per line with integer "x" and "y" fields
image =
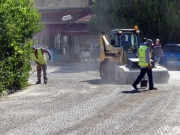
{"x": 19, "y": 21}
{"x": 101, "y": 21}
{"x": 156, "y": 19}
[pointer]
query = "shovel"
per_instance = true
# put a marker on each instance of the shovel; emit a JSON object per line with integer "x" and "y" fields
{"x": 143, "y": 83}
{"x": 32, "y": 72}
{"x": 35, "y": 70}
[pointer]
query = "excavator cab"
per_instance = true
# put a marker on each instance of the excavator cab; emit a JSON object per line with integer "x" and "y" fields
{"x": 128, "y": 39}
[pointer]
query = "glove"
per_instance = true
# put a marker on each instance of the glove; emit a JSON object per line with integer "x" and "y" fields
{"x": 38, "y": 64}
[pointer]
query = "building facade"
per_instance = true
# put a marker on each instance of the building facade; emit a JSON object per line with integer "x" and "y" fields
{"x": 66, "y": 29}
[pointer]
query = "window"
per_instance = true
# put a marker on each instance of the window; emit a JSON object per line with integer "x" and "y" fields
{"x": 57, "y": 42}
{"x": 61, "y": 44}
{"x": 115, "y": 38}
{"x": 129, "y": 42}
{"x": 51, "y": 42}
{"x": 35, "y": 40}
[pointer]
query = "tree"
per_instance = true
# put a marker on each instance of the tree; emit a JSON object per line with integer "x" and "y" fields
{"x": 19, "y": 21}
{"x": 101, "y": 21}
{"x": 156, "y": 19}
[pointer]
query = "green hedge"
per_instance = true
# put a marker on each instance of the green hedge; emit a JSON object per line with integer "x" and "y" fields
{"x": 19, "y": 22}
{"x": 14, "y": 70}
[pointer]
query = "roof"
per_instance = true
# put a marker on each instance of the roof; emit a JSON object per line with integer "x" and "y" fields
{"x": 55, "y": 17}
{"x": 84, "y": 19}
{"x": 54, "y": 23}
{"x": 71, "y": 29}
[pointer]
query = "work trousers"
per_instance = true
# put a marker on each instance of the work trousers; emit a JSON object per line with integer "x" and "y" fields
{"x": 142, "y": 74}
{"x": 39, "y": 70}
{"x": 157, "y": 59}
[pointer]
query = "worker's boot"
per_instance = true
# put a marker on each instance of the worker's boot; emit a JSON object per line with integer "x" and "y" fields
{"x": 38, "y": 82}
{"x": 45, "y": 81}
{"x": 152, "y": 88}
{"x": 134, "y": 86}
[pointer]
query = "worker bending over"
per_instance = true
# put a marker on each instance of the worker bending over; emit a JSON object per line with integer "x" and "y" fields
{"x": 40, "y": 59}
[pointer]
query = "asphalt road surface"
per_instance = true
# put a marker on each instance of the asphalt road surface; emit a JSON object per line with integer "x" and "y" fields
{"x": 76, "y": 102}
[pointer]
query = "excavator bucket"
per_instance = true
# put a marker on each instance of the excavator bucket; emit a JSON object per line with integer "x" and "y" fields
{"x": 127, "y": 74}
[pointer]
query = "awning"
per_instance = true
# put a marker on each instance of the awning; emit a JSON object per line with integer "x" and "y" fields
{"x": 63, "y": 29}
{"x": 84, "y": 19}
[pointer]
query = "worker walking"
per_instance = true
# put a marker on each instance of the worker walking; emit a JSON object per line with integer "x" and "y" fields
{"x": 157, "y": 52}
{"x": 145, "y": 65}
{"x": 40, "y": 59}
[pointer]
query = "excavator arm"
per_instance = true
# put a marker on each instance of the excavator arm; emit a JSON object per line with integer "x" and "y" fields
{"x": 111, "y": 53}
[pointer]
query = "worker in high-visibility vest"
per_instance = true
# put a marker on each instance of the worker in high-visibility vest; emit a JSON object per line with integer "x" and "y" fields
{"x": 40, "y": 59}
{"x": 145, "y": 64}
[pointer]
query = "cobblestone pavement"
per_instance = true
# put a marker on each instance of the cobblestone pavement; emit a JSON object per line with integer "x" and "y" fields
{"x": 76, "y": 102}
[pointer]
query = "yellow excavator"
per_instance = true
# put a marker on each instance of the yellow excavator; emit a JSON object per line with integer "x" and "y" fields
{"x": 118, "y": 61}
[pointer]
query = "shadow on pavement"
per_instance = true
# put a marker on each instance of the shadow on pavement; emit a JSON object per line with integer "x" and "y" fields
{"x": 32, "y": 84}
{"x": 135, "y": 91}
{"x": 99, "y": 82}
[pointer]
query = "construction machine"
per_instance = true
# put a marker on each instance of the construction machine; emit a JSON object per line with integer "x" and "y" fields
{"x": 118, "y": 61}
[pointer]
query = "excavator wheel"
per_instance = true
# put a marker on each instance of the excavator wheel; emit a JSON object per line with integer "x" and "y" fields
{"x": 102, "y": 70}
{"x": 107, "y": 70}
{"x": 113, "y": 66}
{"x": 120, "y": 76}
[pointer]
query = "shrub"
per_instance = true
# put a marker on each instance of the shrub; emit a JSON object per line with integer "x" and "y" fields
{"x": 19, "y": 21}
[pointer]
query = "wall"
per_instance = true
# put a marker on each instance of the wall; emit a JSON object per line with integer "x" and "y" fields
{"x": 89, "y": 39}
{"x": 76, "y": 44}
{"x": 60, "y": 4}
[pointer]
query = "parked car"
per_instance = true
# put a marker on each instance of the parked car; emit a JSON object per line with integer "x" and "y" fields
{"x": 171, "y": 55}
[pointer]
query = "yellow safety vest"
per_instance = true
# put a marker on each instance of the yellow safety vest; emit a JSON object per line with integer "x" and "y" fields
{"x": 41, "y": 58}
{"x": 142, "y": 56}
